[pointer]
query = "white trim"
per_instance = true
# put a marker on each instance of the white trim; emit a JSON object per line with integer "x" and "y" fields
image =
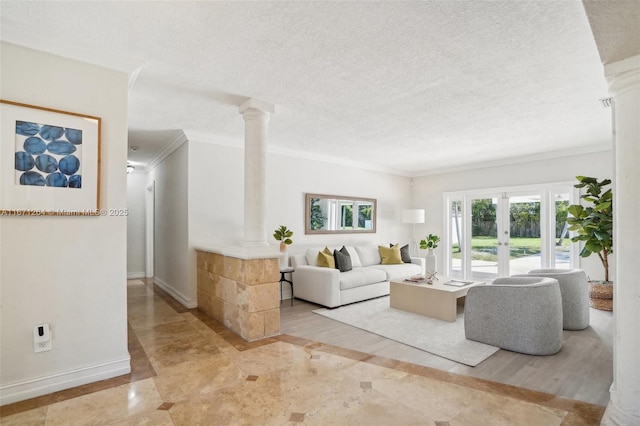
{"x": 332, "y": 160}
{"x": 168, "y": 150}
{"x": 514, "y": 188}
{"x": 517, "y": 160}
{"x": 133, "y": 77}
{"x": 32, "y": 388}
{"x": 622, "y": 66}
{"x": 134, "y": 275}
{"x": 253, "y": 103}
{"x": 238, "y": 143}
{"x": 191, "y": 135}
{"x": 185, "y": 301}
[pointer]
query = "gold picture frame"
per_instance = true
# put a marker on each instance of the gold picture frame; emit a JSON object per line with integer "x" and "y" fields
{"x": 49, "y": 161}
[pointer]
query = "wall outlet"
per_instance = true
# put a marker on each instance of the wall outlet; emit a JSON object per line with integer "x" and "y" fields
{"x": 41, "y": 338}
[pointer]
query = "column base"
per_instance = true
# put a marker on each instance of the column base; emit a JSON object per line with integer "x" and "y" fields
{"x": 615, "y": 416}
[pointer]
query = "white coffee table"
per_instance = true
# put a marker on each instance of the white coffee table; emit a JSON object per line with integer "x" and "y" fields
{"x": 436, "y": 300}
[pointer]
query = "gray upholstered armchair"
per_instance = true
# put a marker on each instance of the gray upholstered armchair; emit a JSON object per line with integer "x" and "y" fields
{"x": 520, "y": 314}
{"x": 574, "y": 289}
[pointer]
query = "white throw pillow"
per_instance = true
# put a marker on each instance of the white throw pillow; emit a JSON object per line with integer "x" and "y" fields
{"x": 369, "y": 255}
{"x": 355, "y": 259}
{"x": 312, "y": 255}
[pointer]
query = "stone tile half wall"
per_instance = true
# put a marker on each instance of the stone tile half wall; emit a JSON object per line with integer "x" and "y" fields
{"x": 243, "y": 294}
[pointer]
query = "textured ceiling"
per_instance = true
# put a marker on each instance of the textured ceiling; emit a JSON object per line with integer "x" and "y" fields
{"x": 616, "y": 27}
{"x": 407, "y": 87}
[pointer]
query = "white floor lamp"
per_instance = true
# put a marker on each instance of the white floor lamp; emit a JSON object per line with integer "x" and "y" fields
{"x": 413, "y": 216}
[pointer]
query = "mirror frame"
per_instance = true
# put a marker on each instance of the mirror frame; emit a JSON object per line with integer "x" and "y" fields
{"x": 307, "y": 215}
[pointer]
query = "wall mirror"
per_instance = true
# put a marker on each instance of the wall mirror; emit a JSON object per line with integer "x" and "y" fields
{"x": 337, "y": 214}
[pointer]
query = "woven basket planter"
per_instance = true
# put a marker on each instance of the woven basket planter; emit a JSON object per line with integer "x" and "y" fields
{"x": 601, "y": 295}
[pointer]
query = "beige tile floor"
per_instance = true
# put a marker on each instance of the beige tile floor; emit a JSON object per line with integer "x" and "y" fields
{"x": 188, "y": 370}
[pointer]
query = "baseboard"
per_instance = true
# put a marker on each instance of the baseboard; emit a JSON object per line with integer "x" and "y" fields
{"x": 32, "y": 388}
{"x": 134, "y": 275}
{"x": 185, "y": 301}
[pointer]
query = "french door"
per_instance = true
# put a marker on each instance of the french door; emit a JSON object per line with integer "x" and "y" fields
{"x": 496, "y": 234}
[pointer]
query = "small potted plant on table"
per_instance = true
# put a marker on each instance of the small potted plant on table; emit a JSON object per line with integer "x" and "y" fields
{"x": 283, "y": 235}
{"x": 431, "y": 260}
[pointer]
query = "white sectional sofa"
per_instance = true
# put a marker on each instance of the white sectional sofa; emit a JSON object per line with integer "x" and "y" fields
{"x": 331, "y": 288}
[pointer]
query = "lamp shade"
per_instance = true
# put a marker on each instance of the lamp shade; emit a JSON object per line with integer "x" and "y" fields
{"x": 413, "y": 216}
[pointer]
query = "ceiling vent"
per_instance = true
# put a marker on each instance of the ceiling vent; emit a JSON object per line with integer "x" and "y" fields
{"x": 606, "y": 102}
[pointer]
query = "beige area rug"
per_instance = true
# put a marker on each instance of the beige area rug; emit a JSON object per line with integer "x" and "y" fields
{"x": 441, "y": 338}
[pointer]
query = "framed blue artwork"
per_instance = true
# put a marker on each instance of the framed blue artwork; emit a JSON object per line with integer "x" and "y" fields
{"x": 49, "y": 161}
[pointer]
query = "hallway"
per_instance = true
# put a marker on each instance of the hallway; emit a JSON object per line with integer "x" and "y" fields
{"x": 189, "y": 370}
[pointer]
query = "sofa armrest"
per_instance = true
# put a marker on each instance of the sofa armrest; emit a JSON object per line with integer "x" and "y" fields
{"x": 317, "y": 285}
{"x": 419, "y": 261}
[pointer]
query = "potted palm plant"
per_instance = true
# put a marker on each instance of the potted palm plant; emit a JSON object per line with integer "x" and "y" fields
{"x": 593, "y": 224}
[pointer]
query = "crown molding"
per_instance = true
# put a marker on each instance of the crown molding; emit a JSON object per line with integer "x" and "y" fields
{"x": 133, "y": 77}
{"x": 177, "y": 142}
{"x": 193, "y": 135}
{"x": 271, "y": 149}
{"x": 332, "y": 160}
{"x": 190, "y": 135}
{"x": 518, "y": 160}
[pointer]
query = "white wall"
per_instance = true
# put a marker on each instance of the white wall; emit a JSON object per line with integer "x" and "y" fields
{"x": 136, "y": 193}
{"x": 171, "y": 249}
{"x": 69, "y": 272}
{"x": 216, "y": 198}
{"x": 428, "y": 190}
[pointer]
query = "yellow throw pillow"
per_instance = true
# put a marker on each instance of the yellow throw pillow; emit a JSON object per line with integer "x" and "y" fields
{"x": 325, "y": 259}
{"x": 390, "y": 255}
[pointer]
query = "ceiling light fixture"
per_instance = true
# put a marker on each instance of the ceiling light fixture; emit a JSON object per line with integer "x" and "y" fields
{"x": 130, "y": 168}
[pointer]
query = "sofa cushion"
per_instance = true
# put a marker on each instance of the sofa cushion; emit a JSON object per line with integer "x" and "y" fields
{"x": 394, "y": 272}
{"x": 325, "y": 258}
{"x": 390, "y": 255}
{"x": 343, "y": 260}
{"x": 368, "y": 255}
{"x": 404, "y": 253}
{"x": 312, "y": 256}
{"x": 355, "y": 259}
{"x": 359, "y": 277}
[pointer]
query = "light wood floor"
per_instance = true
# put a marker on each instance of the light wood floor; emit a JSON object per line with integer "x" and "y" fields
{"x": 582, "y": 370}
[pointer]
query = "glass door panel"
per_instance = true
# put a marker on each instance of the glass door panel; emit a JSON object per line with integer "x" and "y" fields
{"x": 524, "y": 238}
{"x": 562, "y": 248}
{"x": 498, "y": 234}
{"x": 484, "y": 238}
{"x": 455, "y": 239}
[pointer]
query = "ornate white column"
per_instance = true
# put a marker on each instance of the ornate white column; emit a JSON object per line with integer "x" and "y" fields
{"x": 624, "y": 86}
{"x": 256, "y": 116}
